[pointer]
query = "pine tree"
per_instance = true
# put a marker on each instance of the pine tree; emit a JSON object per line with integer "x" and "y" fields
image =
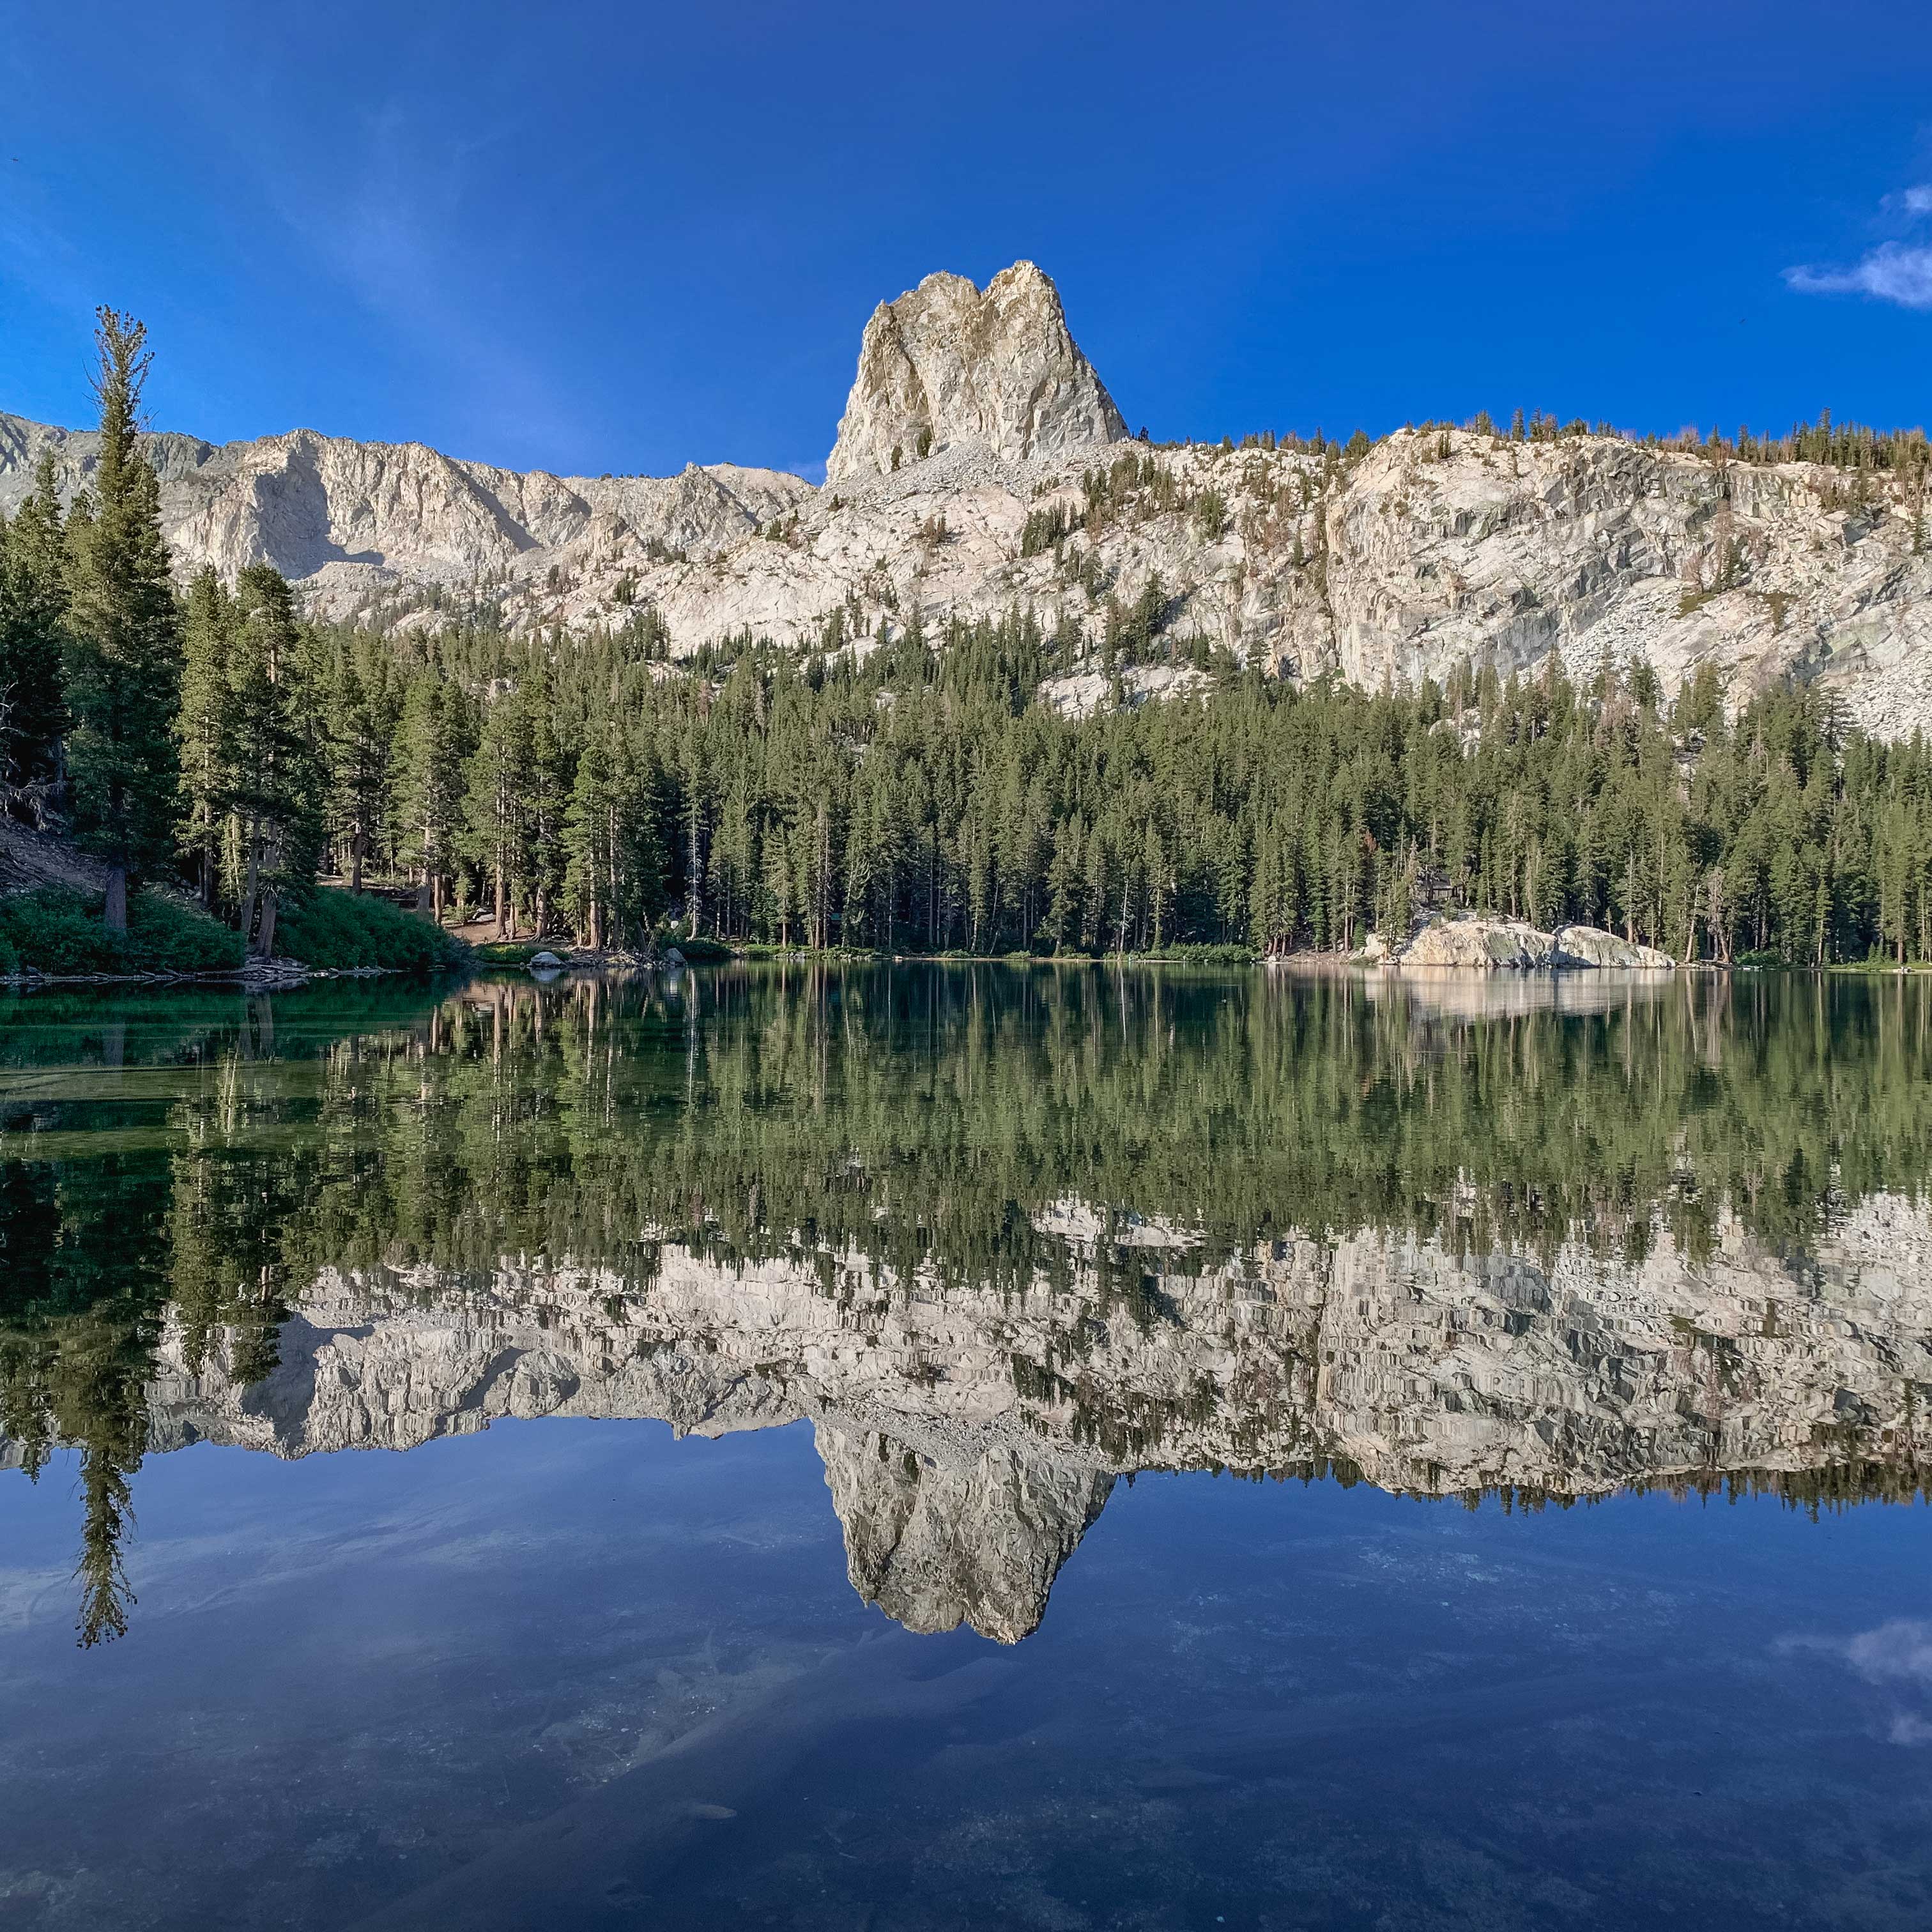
{"x": 123, "y": 645}
{"x": 274, "y": 786}
{"x": 586, "y": 888}
{"x": 612, "y": 880}
{"x": 359, "y": 773}
{"x": 33, "y": 609}
{"x": 546, "y": 789}
{"x": 428, "y": 755}
{"x": 202, "y": 728}
{"x": 496, "y": 805}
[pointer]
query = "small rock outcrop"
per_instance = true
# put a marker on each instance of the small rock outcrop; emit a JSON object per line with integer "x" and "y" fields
{"x": 947, "y": 364}
{"x": 1488, "y": 944}
{"x": 1590, "y": 946}
{"x": 1512, "y": 945}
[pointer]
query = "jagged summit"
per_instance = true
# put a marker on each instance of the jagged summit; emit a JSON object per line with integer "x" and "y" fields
{"x": 947, "y": 364}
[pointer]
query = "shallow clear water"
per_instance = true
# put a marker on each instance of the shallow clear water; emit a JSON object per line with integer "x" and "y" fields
{"x": 951, "y": 1446}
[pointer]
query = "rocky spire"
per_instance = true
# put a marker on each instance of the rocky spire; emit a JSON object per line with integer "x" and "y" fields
{"x": 946, "y": 364}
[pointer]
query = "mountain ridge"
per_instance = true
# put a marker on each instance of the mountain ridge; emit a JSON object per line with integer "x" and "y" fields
{"x": 1387, "y": 564}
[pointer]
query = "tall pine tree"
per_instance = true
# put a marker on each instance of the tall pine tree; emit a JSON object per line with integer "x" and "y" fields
{"x": 124, "y": 643}
{"x": 33, "y": 609}
{"x": 202, "y": 730}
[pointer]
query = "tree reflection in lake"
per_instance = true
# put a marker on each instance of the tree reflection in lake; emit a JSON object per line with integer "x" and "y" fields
{"x": 1002, "y": 1235}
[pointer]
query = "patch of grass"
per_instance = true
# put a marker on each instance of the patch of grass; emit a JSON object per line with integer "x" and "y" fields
{"x": 334, "y": 931}
{"x": 59, "y": 932}
{"x": 513, "y": 952}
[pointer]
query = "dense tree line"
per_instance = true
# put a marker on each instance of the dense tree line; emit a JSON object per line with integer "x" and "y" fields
{"x": 925, "y": 797}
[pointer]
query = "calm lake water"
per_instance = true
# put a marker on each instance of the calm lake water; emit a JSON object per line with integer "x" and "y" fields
{"x": 933, "y": 1447}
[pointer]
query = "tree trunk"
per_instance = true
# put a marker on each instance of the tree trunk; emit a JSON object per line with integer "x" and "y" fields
{"x": 264, "y": 947}
{"x": 251, "y": 890}
{"x": 115, "y": 917}
{"x": 502, "y": 926}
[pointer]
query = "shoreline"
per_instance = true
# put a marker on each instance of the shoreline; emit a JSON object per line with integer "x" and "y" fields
{"x": 263, "y": 978}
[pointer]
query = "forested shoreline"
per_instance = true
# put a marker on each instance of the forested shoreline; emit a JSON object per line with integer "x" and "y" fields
{"x": 921, "y": 794}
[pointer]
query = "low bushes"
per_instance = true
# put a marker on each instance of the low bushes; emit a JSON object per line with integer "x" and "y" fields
{"x": 334, "y": 930}
{"x": 57, "y": 931}
{"x": 694, "y": 948}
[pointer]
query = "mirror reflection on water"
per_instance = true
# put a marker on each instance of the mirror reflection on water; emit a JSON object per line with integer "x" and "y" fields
{"x": 1523, "y": 1384}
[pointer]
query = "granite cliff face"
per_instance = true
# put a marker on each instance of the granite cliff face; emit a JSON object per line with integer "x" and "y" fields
{"x": 945, "y": 365}
{"x": 970, "y": 1438}
{"x": 1435, "y": 546}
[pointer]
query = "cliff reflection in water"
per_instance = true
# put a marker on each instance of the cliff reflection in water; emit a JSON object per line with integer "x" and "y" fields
{"x": 1000, "y": 1235}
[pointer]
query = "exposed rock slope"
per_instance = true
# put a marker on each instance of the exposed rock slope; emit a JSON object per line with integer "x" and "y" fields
{"x": 1435, "y": 547}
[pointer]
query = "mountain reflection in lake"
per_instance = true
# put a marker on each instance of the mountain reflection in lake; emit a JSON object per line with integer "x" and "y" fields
{"x": 997, "y": 1238}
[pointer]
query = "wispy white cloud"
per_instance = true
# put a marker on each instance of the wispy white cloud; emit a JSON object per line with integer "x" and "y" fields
{"x": 1894, "y": 272}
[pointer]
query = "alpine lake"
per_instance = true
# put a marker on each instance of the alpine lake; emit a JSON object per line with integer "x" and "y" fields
{"x": 911, "y": 1447}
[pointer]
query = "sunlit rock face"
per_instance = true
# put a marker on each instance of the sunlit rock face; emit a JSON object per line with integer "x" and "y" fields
{"x": 969, "y": 1438}
{"x": 947, "y": 366}
{"x": 1437, "y": 547}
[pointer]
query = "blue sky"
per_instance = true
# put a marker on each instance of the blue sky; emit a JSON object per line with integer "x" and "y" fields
{"x": 621, "y": 238}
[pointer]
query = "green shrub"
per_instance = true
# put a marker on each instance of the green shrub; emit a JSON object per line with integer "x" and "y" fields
{"x": 59, "y": 932}
{"x": 334, "y": 930}
{"x": 56, "y": 931}
{"x": 166, "y": 937}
